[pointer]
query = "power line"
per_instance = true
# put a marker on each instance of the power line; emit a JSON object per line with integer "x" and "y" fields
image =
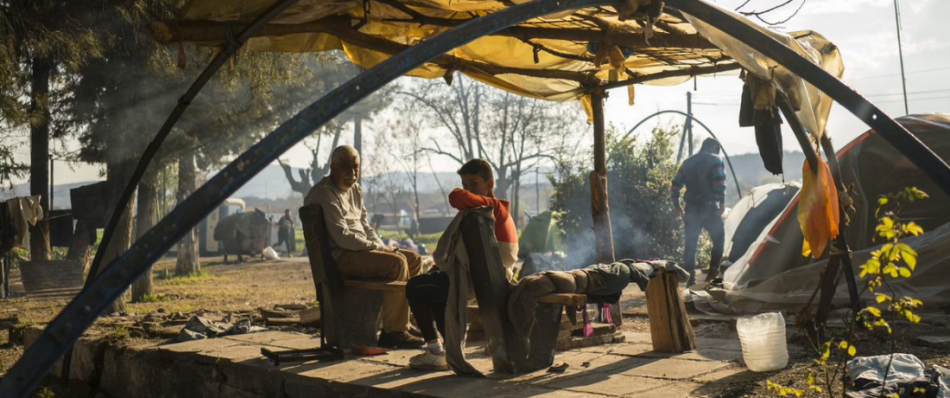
{"x": 897, "y": 74}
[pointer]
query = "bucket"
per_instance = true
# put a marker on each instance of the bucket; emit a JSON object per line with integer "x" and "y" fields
{"x": 763, "y": 341}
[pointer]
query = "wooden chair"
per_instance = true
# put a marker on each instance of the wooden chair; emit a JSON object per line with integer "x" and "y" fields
{"x": 489, "y": 279}
{"x": 350, "y": 307}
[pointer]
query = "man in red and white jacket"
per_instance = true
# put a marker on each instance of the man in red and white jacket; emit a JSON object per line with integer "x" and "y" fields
{"x": 427, "y": 294}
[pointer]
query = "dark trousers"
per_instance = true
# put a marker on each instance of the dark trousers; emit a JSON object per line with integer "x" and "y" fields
{"x": 698, "y": 218}
{"x": 285, "y": 237}
{"x": 427, "y": 295}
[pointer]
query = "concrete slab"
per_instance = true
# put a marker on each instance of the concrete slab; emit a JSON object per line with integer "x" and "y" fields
{"x": 605, "y": 383}
{"x": 233, "y": 367}
{"x": 199, "y": 345}
{"x": 667, "y": 368}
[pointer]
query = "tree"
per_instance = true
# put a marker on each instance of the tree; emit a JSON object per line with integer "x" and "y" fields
{"x": 639, "y": 192}
{"x": 513, "y": 133}
{"x": 44, "y": 44}
{"x": 404, "y": 132}
{"x": 336, "y": 71}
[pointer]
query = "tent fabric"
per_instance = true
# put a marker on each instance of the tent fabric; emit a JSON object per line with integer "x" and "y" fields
{"x": 773, "y": 275}
{"x": 751, "y": 214}
{"x": 558, "y": 57}
{"x": 541, "y": 235}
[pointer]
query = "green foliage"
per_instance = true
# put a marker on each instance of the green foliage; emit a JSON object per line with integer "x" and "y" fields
{"x": 893, "y": 261}
{"x": 639, "y": 176}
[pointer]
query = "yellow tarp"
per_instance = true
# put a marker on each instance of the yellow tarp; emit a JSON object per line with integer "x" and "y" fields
{"x": 555, "y": 58}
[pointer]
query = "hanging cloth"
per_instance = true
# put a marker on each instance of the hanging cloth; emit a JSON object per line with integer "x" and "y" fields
{"x": 818, "y": 209}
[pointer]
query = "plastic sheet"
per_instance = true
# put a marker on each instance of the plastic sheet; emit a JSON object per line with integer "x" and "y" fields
{"x": 811, "y": 104}
{"x": 672, "y": 47}
{"x": 773, "y": 275}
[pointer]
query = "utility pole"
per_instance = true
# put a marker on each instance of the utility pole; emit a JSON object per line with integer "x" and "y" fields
{"x": 688, "y": 127}
{"x": 900, "y": 52}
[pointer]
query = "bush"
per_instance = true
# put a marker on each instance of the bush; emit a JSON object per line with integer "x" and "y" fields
{"x": 638, "y": 183}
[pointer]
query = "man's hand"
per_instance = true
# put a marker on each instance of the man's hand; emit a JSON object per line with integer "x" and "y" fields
{"x": 678, "y": 212}
{"x": 392, "y": 249}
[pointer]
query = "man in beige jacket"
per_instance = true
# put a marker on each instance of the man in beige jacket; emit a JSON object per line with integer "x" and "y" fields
{"x": 356, "y": 248}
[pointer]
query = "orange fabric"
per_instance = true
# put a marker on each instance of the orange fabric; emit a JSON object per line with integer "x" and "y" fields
{"x": 505, "y": 230}
{"x": 818, "y": 209}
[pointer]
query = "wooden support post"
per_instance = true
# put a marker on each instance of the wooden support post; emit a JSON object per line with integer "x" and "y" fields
{"x": 600, "y": 207}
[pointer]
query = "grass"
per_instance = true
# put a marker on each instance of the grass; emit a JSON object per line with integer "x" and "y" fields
{"x": 185, "y": 280}
{"x": 429, "y": 240}
{"x": 155, "y": 298}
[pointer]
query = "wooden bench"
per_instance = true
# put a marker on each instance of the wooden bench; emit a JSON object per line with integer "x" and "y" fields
{"x": 350, "y": 306}
{"x": 490, "y": 282}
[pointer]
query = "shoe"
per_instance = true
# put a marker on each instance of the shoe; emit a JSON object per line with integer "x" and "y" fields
{"x": 429, "y": 361}
{"x": 399, "y": 340}
{"x": 414, "y": 331}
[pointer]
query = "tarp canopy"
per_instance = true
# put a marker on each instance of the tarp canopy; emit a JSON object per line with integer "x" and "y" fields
{"x": 773, "y": 274}
{"x": 558, "y": 57}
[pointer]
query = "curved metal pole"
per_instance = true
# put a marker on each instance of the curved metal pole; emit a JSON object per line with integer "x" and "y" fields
{"x": 726, "y": 155}
{"x": 79, "y": 314}
{"x": 895, "y": 134}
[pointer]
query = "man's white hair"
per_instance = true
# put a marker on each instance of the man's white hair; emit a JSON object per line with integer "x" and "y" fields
{"x": 342, "y": 152}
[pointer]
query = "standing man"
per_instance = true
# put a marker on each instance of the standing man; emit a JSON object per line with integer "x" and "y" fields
{"x": 357, "y": 250}
{"x": 704, "y": 176}
{"x": 285, "y": 231}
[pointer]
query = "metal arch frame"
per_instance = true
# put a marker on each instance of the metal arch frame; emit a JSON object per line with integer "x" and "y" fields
{"x": 726, "y": 155}
{"x": 79, "y": 314}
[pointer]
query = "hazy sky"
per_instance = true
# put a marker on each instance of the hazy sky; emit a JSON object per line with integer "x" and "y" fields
{"x": 865, "y": 32}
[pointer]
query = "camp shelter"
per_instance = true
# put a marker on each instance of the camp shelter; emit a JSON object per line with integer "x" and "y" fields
{"x": 541, "y": 235}
{"x": 773, "y": 274}
{"x": 436, "y": 38}
{"x": 751, "y": 214}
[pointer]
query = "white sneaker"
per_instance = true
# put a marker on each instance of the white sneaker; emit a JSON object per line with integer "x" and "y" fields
{"x": 429, "y": 361}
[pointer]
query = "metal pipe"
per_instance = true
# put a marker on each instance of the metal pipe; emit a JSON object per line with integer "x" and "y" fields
{"x": 701, "y": 124}
{"x": 895, "y": 134}
{"x": 79, "y": 314}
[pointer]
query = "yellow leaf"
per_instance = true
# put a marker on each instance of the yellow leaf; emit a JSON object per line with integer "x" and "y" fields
{"x": 852, "y": 351}
{"x": 882, "y": 298}
{"x": 873, "y": 311}
{"x": 913, "y": 229}
{"x": 843, "y": 345}
{"x": 891, "y": 269}
{"x": 905, "y": 273}
{"x": 882, "y": 201}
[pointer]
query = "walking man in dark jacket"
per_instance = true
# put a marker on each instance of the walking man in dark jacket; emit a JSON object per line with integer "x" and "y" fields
{"x": 704, "y": 177}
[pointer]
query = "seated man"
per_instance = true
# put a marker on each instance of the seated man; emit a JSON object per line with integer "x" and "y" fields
{"x": 357, "y": 250}
{"x": 428, "y": 293}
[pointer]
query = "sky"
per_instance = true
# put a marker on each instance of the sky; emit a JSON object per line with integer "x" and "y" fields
{"x": 865, "y": 32}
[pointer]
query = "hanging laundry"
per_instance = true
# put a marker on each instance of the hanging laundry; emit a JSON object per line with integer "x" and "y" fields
{"x": 818, "y": 209}
{"x": 24, "y": 213}
{"x": 757, "y": 108}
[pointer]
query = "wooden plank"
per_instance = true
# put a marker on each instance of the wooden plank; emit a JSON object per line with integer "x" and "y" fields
{"x": 309, "y": 316}
{"x": 564, "y": 299}
{"x": 283, "y": 321}
{"x": 375, "y": 285}
{"x": 669, "y": 322}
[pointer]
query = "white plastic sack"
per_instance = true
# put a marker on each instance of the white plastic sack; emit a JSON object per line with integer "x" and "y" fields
{"x": 270, "y": 253}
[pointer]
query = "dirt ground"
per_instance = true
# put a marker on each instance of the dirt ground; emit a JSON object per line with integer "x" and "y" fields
{"x": 241, "y": 289}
